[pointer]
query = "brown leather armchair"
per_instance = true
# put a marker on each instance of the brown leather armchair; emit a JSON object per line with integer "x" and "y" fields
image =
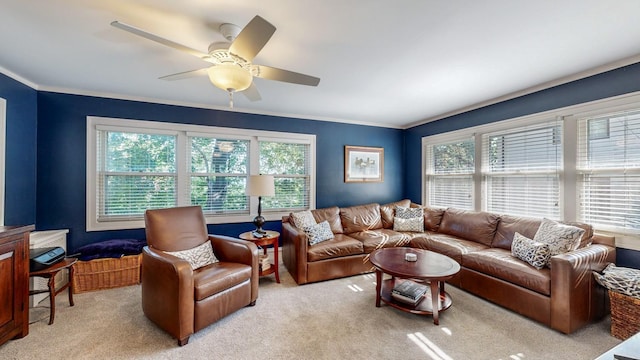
{"x": 180, "y": 300}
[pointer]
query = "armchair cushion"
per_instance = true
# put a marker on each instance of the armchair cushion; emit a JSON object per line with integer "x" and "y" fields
{"x": 199, "y": 256}
{"x": 219, "y": 277}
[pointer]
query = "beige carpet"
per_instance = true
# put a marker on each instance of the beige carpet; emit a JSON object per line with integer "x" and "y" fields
{"x": 329, "y": 320}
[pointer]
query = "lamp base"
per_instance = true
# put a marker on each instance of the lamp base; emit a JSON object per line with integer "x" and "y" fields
{"x": 258, "y": 221}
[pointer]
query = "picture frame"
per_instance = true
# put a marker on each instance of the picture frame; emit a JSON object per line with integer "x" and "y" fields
{"x": 363, "y": 164}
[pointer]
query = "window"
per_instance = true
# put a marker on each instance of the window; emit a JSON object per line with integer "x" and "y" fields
{"x": 289, "y": 164}
{"x": 137, "y": 165}
{"x": 136, "y": 171}
{"x": 609, "y": 171}
{"x": 522, "y": 170}
{"x": 218, "y": 173}
{"x": 578, "y": 163}
{"x": 450, "y": 167}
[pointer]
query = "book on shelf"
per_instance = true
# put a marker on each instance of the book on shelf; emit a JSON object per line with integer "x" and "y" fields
{"x": 264, "y": 262}
{"x": 409, "y": 292}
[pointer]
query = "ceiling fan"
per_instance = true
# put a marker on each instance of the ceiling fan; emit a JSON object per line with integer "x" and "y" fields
{"x": 232, "y": 68}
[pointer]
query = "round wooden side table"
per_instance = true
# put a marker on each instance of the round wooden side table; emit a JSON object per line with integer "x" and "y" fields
{"x": 271, "y": 238}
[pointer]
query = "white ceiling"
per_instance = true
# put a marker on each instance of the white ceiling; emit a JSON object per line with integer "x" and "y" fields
{"x": 382, "y": 63}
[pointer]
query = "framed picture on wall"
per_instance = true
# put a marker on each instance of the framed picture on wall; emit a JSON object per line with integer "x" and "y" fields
{"x": 363, "y": 164}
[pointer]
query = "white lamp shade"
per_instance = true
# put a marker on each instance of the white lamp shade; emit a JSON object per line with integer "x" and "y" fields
{"x": 230, "y": 77}
{"x": 261, "y": 185}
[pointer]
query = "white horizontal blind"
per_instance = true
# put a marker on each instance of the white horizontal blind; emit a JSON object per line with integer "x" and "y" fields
{"x": 218, "y": 168}
{"x": 290, "y": 165}
{"x": 609, "y": 171}
{"x": 521, "y": 168}
{"x": 449, "y": 173}
{"x": 135, "y": 171}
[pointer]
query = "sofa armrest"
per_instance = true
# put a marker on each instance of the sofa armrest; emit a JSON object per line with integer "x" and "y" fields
{"x": 294, "y": 251}
{"x": 167, "y": 291}
{"x": 229, "y": 249}
{"x": 576, "y": 299}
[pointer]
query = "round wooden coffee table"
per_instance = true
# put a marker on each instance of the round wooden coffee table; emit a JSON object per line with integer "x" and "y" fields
{"x": 430, "y": 267}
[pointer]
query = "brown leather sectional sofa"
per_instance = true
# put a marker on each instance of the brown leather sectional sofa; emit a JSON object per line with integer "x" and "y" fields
{"x": 564, "y": 296}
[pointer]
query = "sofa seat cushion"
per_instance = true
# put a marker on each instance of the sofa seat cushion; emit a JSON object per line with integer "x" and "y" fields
{"x": 340, "y": 245}
{"x": 502, "y": 265}
{"x": 448, "y": 245}
{"x": 218, "y": 277}
{"x": 381, "y": 238}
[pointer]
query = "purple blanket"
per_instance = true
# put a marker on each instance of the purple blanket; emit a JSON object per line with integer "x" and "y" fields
{"x": 116, "y": 248}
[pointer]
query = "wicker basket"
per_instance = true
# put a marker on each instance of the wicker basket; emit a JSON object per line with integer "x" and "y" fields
{"x": 625, "y": 315}
{"x": 107, "y": 273}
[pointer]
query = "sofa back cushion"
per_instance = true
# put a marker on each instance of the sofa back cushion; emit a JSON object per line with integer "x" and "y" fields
{"x": 330, "y": 215}
{"x": 432, "y": 218}
{"x": 470, "y": 225}
{"x": 388, "y": 211}
{"x": 509, "y": 225}
{"x": 360, "y": 218}
{"x": 528, "y": 227}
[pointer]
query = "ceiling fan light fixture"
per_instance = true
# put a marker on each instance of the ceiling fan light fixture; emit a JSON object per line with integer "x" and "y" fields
{"x": 230, "y": 77}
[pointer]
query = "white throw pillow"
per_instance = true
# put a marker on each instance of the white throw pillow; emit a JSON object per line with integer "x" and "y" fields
{"x": 413, "y": 224}
{"x": 534, "y": 253}
{"x": 561, "y": 238}
{"x": 199, "y": 256}
{"x": 318, "y": 233}
{"x": 302, "y": 219}
{"x": 408, "y": 219}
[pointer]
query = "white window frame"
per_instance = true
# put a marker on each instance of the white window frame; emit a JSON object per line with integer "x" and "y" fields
{"x": 427, "y": 145}
{"x": 3, "y": 149}
{"x": 183, "y": 130}
{"x": 569, "y": 192}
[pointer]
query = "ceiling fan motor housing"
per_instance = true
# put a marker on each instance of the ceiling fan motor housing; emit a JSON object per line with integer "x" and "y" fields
{"x": 230, "y": 31}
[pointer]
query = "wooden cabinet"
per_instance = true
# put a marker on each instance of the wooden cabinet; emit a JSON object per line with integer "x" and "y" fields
{"x": 14, "y": 282}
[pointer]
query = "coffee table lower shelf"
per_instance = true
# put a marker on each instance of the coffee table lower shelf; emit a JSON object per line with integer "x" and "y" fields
{"x": 424, "y": 307}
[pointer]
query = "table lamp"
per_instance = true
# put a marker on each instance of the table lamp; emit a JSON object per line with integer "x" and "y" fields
{"x": 260, "y": 185}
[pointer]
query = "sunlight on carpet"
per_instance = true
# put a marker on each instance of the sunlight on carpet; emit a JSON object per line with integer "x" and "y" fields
{"x": 431, "y": 349}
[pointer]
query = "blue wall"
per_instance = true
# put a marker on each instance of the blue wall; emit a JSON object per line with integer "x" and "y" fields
{"x": 612, "y": 83}
{"x": 62, "y": 161}
{"x": 59, "y": 120}
{"x": 20, "y": 156}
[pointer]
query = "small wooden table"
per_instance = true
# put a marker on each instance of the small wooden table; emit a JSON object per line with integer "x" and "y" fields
{"x": 50, "y": 273}
{"x": 430, "y": 267}
{"x": 271, "y": 238}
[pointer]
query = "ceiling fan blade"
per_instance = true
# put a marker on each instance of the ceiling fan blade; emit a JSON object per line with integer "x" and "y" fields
{"x": 163, "y": 41}
{"x": 185, "y": 74}
{"x": 252, "y": 93}
{"x": 271, "y": 73}
{"x": 252, "y": 38}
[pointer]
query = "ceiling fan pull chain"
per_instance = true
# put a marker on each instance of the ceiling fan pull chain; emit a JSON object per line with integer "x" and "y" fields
{"x": 230, "y": 99}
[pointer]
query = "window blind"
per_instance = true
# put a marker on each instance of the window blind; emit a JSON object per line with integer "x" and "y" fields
{"x": 608, "y": 166}
{"x": 135, "y": 171}
{"x": 521, "y": 169}
{"x": 290, "y": 165}
{"x": 449, "y": 168}
{"x": 218, "y": 169}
